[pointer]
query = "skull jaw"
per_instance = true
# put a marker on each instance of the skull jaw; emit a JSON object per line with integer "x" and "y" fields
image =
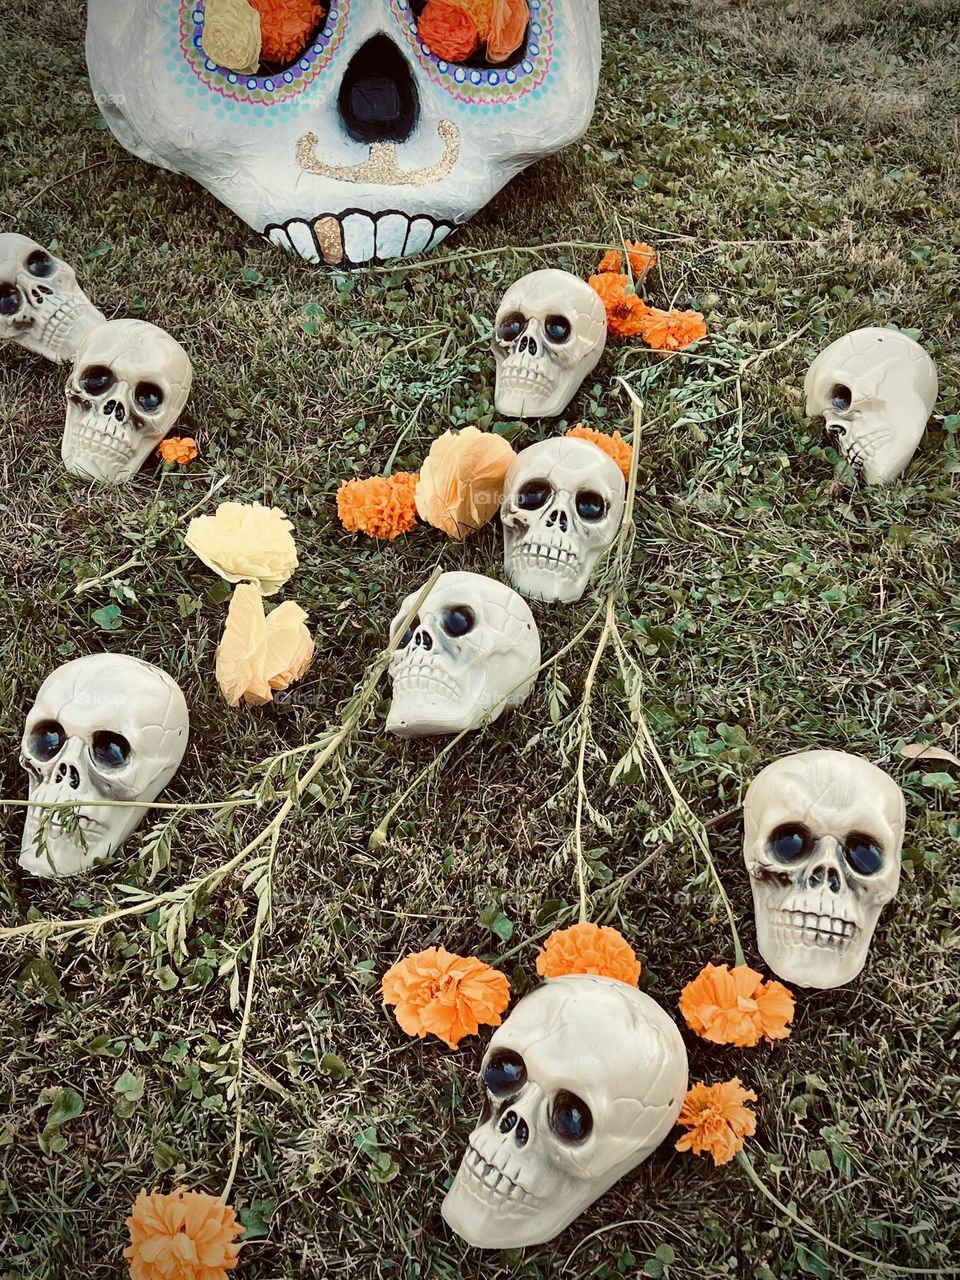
{"x": 542, "y": 577}
{"x": 803, "y": 954}
{"x": 523, "y": 392}
{"x": 882, "y": 464}
{"x": 60, "y": 336}
{"x": 105, "y": 829}
{"x": 93, "y": 451}
{"x": 421, "y": 714}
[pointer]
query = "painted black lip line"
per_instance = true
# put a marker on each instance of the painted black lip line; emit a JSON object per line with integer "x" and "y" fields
{"x": 347, "y": 263}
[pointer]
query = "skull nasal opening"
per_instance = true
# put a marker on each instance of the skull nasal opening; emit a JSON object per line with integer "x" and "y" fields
{"x": 378, "y": 97}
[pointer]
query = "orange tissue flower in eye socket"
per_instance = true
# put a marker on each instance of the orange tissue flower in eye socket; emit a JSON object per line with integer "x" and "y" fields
{"x": 508, "y": 26}
{"x": 589, "y": 948}
{"x": 380, "y": 506}
{"x": 437, "y": 993}
{"x": 448, "y": 31}
{"x": 736, "y": 1006}
{"x": 717, "y": 1120}
{"x": 183, "y": 1235}
{"x": 286, "y": 27}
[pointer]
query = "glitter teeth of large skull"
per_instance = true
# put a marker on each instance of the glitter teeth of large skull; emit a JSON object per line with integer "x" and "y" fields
{"x": 807, "y": 928}
{"x": 497, "y": 1184}
{"x": 352, "y": 239}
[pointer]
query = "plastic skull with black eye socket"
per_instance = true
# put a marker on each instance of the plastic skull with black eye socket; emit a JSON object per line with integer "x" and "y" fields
{"x": 582, "y": 1082}
{"x": 129, "y": 384}
{"x": 822, "y": 837}
{"x": 549, "y": 333}
{"x": 42, "y": 307}
{"x": 875, "y": 390}
{"x": 104, "y": 727}
{"x": 563, "y": 502}
{"x": 471, "y": 652}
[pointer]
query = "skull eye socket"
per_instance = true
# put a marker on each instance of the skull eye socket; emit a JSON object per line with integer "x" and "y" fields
{"x": 40, "y": 264}
{"x": 532, "y": 495}
{"x": 10, "y": 300}
{"x": 841, "y": 397}
{"x": 459, "y": 620}
{"x": 570, "y": 1118}
{"x": 504, "y": 1073}
{"x": 148, "y": 396}
{"x": 46, "y": 739}
{"x": 110, "y": 749}
{"x": 408, "y": 634}
{"x": 510, "y": 327}
{"x": 590, "y": 505}
{"x": 96, "y": 380}
{"x": 863, "y": 854}
{"x": 557, "y": 328}
{"x": 791, "y": 842}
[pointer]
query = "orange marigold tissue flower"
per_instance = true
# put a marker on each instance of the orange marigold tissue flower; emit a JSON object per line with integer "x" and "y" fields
{"x": 589, "y": 948}
{"x": 508, "y": 26}
{"x": 381, "y": 506}
{"x": 736, "y": 1006}
{"x": 625, "y": 311}
{"x": 717, "y": 1119}
{"x": 179, "y": 450}
{"x": 615, "y": 446}
{"x": 478, "y": 11}
{"x": 260, "y": 654}
{"x": 437, "y": 993}
{"x": 643, "y": 257}
{"x": 448, "y": 31}
{"x": 461, "y": 480}
{"x": 286, "y": 27}
{"x": 671, "y": 330}
{"x": 183, "y": 1235}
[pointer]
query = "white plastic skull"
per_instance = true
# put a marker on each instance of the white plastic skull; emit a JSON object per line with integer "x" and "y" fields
{"x": 563, "y": 502}
{"x": 103, "y": 728}
{"x": 471, "y": 652}
{"x": 822, "y": 838}
{"x": 583, "y": 1081}
{"x": 549, "y": 333}
{"x": 875, "y": 390}
{"x": 129, "y": 384}
{"x": 368, "y": 146}
{"x": 41, "y": 305}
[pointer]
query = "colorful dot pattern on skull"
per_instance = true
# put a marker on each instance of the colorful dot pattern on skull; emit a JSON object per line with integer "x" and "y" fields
{"x": 475, "y": 87}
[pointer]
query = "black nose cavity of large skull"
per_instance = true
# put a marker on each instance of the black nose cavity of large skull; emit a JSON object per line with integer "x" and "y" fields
{"x": 378, "y": 99}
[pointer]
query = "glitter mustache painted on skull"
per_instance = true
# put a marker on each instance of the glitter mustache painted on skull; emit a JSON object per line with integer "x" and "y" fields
{"x": 289, "y": 154}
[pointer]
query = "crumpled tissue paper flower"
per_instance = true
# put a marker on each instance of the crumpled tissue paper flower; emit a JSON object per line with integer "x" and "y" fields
{"x": 245, "y": 542}
{"x": 461, "y": 480}
{"x": 231, "y": 35}
{"x": 181, "y": 1235}
{"x": 260, "y": 654}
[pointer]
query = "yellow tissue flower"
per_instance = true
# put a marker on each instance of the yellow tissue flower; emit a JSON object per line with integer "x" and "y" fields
{"x": 260, "y": 653}
{"x": 231, "y": 35}
{"x": 461, "y": 480}
{"x": 245, "y": 542}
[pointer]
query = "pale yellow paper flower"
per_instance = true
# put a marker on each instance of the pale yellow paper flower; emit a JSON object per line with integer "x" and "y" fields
{"x": 245, "y": 542}
{"x": 231, "y": 35}
{"x": 461, "y": 480}
{"x": 258, "y": 652}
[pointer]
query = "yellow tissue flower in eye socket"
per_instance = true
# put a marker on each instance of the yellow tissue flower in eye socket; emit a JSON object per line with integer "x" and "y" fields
{"x": 231, "y": 35}
{"x": 461, "y": 480}
{"x": 261, "y": 653}
{"x": 246, "y": 542}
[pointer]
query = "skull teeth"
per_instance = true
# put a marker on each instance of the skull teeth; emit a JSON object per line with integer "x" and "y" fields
{"x": 540, "y": 555}
{"x": 808, "y": 928}
{"x": 423, "y": 679}
{"x": 354, "y": 237}
{"x": 494, "y": 1183}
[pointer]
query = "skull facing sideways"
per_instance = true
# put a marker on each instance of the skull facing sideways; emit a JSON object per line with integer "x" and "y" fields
{"x": 471, "y": 652}
{"x": 562, "y": 506}
{"x": 367, "y": 146}
{"x": 549, "y": 334}
{"x": 103, "y": 728}
{"x": 41, "y": 305}
{"x": 129, "y": 384}
{"x": 822, "y": 837}
{"x": 875, "y": 390}
{"x": 583, "y": 1080}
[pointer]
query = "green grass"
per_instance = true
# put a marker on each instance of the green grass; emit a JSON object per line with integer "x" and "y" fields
{"x": 799, "y": 174}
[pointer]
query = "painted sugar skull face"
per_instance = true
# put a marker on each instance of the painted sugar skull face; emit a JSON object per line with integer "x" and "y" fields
{"x": 471, "y": 652}
{"x": 874, "y": 390}
{"x": 365, "y": 147}
{"x": 104, "y": 727}
{"x": 42, "y": 307}
{"x": 582, "y": 1082}
{"x": 129, "y": 384}
{"x": 822, "y": 838}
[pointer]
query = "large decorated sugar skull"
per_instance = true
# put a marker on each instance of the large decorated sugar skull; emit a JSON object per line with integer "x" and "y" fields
{"x": 550, "y": 331}
{"x": 367, "y": 146}
{"x": 129, "y": 384}
{"x": 874, "y": 390}
{"x": 104, "y": 727}
{"x": 583, "y": 1081}
{"x": 42, "y": 307}
{"x": 821, "y": 840}
{"x": 563, "y": 503}
{"x": 471, "y": 652}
